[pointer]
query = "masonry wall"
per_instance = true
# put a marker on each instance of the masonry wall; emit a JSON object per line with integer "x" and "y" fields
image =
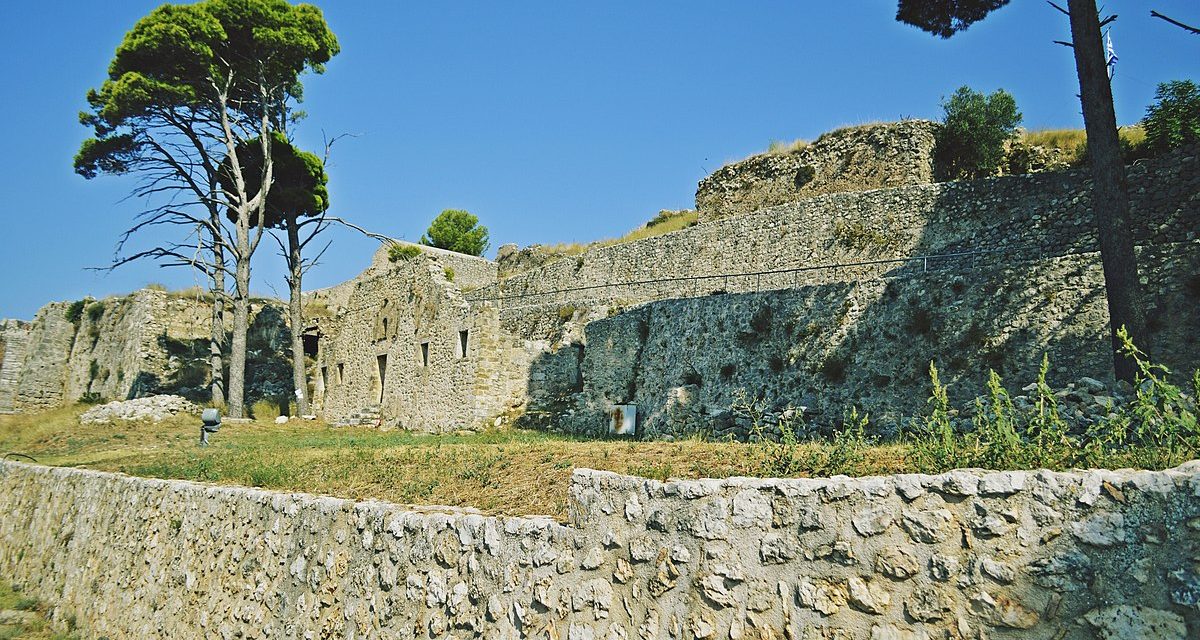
{"x": 852, "y": 159}
{"x": 144, "y": 343}
{"x": 868, "y": 344}
{"x": 965, "y": 555}
{"x": 1031, "y": 216}
{"x": 395, "y": 351}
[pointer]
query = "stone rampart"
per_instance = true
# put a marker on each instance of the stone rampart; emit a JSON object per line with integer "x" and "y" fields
{"x": 144, "y": 343}
{"x": 1040, "y": 215}
{"x": 834, "y": 346}
{"x": 858, "y": 158}
{"x": 968, "y": 554}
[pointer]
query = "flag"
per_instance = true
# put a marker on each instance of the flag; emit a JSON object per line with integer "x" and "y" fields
{"x": 1112, "y": 53}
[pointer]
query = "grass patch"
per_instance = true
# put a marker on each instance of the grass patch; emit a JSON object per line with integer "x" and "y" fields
{"x": 665, "y": 222}
{"x": 523, "y": 472}
{"x": 783, "y": 147}
{"x": 1073, "y": 142}
{"x": 36, "y": 627}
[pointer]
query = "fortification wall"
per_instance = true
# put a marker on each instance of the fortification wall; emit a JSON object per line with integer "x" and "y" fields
{"x": 868, "y": 344}
{"x": 965, "y": 554}
{"x": 144, "y": 343}
{"x": 1050, "y": 213}
{"x": 14, "y": 340}
{"x": 861, "y": 158}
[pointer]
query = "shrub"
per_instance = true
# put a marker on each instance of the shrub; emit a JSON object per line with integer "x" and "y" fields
{"x": 91, "y": 397}
{"x": 970, "y": 143}
{"x": 834, "y": 369}
{"x": 457, "y": 230}
{"x": 1174, "y": 119}
{"x": 449, "y": 273}
{"x": 402, "y": 252}
{"x": 95, "y": 311}
{"x": 727, "y": 371}
{"x": 74, "y": 313}
{"x": 567, "y": 312}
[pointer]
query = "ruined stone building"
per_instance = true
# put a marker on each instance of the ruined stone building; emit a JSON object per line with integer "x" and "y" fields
{"x": 823, "y": 277}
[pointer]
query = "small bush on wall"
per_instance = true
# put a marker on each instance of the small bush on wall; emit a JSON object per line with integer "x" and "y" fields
{"x": 970, "y": 143}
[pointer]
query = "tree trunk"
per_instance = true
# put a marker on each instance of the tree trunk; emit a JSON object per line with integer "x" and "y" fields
{"x": 296, "y": 266}
{"x": 216, "y": 348}
{"x": 241, "y": 324}
{"x": 1110, "y": 197}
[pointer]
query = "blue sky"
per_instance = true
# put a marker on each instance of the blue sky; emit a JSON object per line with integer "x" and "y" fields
{"x": 552, "y": 121}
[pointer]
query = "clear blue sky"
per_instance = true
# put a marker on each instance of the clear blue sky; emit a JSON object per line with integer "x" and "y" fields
{"x": 552, "y": 121}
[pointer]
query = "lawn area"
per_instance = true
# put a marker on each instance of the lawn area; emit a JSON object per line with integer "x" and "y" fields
{"x": 506, "y": 471}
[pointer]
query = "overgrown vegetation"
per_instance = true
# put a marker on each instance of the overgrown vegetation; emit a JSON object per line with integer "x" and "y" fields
{"x": 856, "y": 236}
{"x": 402, "y": 252}
{"x": 526, "y": 472}
{"x": 782, "y": 147}
{"x": 1174, "y": 119}
{"x": 975, "y": 128}
{"x": 665, "y": 222}
{"x": 74, "y": 312}
{"x": 1158, "y": 429}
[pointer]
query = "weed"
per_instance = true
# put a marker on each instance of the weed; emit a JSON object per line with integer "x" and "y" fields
{"x": 449, "y": 273}
{"x": 95, "y": 311}
{"x": 727, "y": 371}
{"x": 567, "y": 312}
{"x": 920, "y": 322}
{"x": 402, "y": 252}
{"x": 834, "y": 368}
{"x": 74, "y": 312}
{"x": 859, "y": 237}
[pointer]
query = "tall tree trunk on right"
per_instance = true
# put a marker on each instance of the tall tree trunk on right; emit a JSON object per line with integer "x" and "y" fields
{"x": 241, "y": 325}
{"x": 296, "y": 306}
{"x": 1110, "y": 196}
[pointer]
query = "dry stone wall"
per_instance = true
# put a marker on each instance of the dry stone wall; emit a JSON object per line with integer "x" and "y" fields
{"x": 852, "y": 159}
{"x": 968, "y": 554}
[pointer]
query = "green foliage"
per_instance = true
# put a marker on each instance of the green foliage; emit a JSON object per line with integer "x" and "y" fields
{"x": 859, "y": 237}
{"x": 402, "y": 252}
{"x": 567, "y": 312}
{"x": 457, "y": 230}
{"x": 1156, "y": 430}
{"x": 970, "y": 143}
{"x": 95, "y": 311}
{"x": 266, "y": 409}
{"x": 298, "y": 180}
{"x": 74, "y": 312}
{"x": 92, "y": 397}
{"x": 1174, "y": 118}
{"x": 945, "y": 19}
{"x": 174, "y": 60}
{"x": 449, "y": 273}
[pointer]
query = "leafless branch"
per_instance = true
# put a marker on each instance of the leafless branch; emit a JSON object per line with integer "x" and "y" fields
{"x": 1185, "y": 27}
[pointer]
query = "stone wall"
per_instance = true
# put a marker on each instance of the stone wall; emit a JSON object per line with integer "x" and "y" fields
{"x": 397, "y": 350}
{"x": 835, "y": 346}
{"x": 14, "y": 340}
{"x": 858, "y": 158}
{"x": 964, "y": 555}
{"x": 147, "y": 342}
{"x": 1039, "y": 215}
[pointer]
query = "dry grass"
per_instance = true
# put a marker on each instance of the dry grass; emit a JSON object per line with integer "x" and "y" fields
{"x": 665, "y": 222}
{"x": 512, "y": 472}
{"x": 1073, "y": 142}
{"x": 781, "y": 147}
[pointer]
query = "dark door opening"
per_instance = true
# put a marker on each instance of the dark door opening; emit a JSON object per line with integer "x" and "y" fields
{"x": 381, "y": 362}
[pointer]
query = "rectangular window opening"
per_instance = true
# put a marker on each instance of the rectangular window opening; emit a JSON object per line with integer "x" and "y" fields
{"x": 424, "y": 354}
{"x": 462, "y": 343}
{"x": 325, "y": 378}
{"x": 341, "y": 372}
